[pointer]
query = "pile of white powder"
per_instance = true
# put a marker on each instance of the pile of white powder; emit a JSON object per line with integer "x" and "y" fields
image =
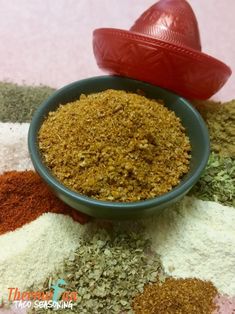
{"x": 30, "y": 254}
{"x": 197, "y": 239}
{"x": 14, "y": 150}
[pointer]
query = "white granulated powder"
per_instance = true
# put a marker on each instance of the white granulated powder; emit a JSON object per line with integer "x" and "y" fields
{"x": 197, "y": 239}
{"x": 14, "y": 150}
{"x": 30, "y": 254}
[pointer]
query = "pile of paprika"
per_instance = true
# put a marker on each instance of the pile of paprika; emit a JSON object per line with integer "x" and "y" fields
{"x": 24, "y": 197}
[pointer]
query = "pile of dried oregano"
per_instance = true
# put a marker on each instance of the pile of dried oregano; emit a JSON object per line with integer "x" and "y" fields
{"x": 109, "y": 268}
{"x": 218, "y": 181}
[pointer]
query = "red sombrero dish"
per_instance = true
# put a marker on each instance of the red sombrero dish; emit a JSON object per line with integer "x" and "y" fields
{"x": 163, "y": 48}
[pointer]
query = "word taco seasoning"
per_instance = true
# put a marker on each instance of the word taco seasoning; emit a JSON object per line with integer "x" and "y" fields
{"x": 115, "y": 146}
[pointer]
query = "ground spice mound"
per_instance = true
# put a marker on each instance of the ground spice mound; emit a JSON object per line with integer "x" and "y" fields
{"x": 176, "y": 296}
{"x": 115, "y": 146}
{"x": 18, "y": 103}
{"x": 24, "y": 197}
{"x": 220, "y": 119}
{"x": 38, "y": 249}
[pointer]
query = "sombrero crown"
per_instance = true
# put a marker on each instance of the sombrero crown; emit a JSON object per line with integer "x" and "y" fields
{"x": 172, "y": 21}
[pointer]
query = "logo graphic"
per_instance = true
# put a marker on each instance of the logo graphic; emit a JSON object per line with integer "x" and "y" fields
{"x": 56, "y": 298}
{"x": 58, "y": 290}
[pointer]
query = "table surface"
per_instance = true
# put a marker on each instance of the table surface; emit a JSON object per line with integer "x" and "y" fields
{"x": 50, "y": 42}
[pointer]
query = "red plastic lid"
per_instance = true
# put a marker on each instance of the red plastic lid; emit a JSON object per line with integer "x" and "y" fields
{"x": 163, "y": 48}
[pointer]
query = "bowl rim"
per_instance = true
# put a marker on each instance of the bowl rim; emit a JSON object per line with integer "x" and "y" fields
{"x": 48, "y": 177}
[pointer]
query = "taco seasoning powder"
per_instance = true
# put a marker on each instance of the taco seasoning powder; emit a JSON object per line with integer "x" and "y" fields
{"x": 24, "y": 197}
{"x": 115, "y": 146}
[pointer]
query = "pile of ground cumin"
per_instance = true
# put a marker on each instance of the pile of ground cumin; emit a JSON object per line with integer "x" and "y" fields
{"x": 220, "y": 119}
{"x": 115, "y": 146}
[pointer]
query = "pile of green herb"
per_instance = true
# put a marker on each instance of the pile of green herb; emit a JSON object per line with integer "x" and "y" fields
{"x": 108, "y": 270}
{"x": 218, "y": 181}
{"x": 220, "y": 119}
{"x": 18, "y": 103}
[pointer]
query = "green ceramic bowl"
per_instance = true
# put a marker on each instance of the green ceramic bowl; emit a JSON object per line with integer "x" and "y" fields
{"x": 191, "y": 119}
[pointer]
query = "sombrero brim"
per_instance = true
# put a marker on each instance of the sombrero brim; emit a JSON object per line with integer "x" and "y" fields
{"x": 189, "y": 73}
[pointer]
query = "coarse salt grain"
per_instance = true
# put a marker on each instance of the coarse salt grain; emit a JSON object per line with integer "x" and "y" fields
{"x": 196, "y": 239}
{"x": 14, "y": 150}
{"x": 30, "y": 254}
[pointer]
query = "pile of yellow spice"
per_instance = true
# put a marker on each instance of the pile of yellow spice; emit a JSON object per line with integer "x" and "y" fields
{"x": 115, "y": 146}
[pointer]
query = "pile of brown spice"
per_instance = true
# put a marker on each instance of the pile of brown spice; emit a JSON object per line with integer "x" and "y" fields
{"x": 220, "y": 119}
{"x": 115, "y": 146}
{"x": 176, "y": 296}
{"x": 24, "y": 197}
